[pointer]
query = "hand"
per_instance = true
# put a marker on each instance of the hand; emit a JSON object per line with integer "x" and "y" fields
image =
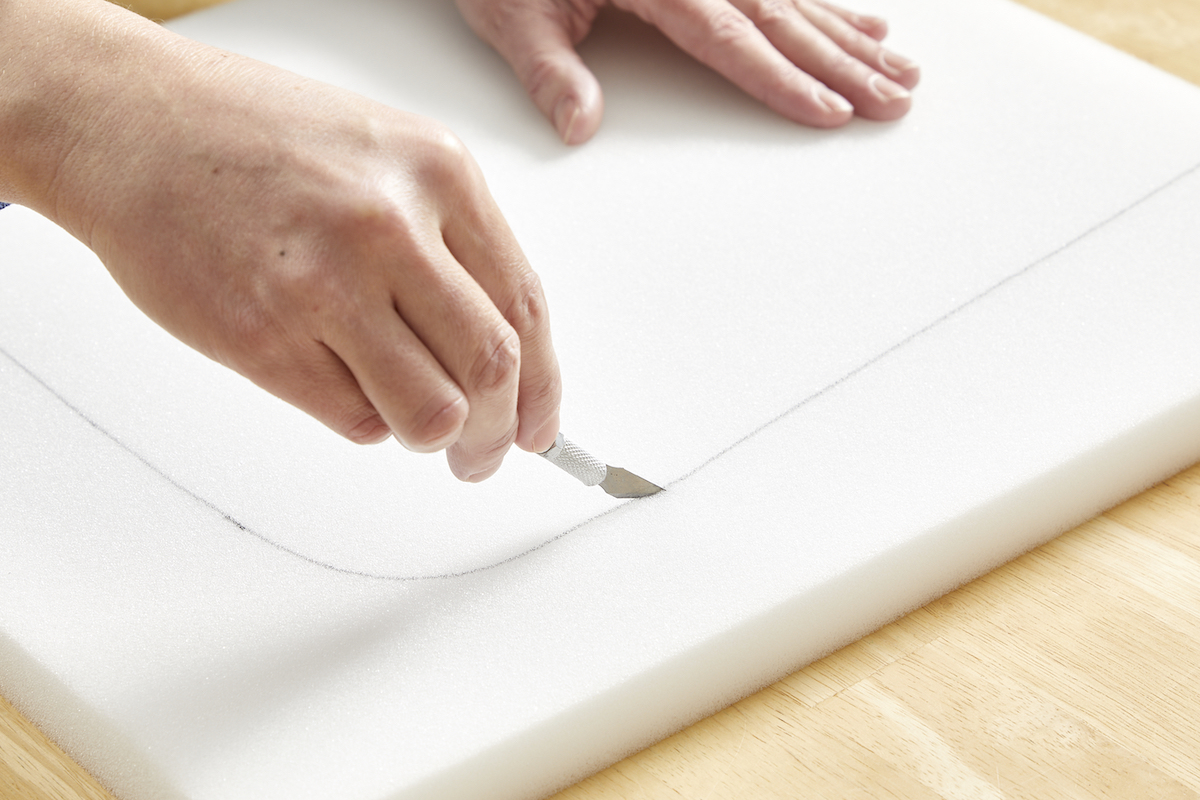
{"x": 344, "y": 256}
{"x": 808, "y": 60}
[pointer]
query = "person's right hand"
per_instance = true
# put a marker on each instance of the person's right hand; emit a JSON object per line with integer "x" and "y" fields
{"x": 343, "y": 255}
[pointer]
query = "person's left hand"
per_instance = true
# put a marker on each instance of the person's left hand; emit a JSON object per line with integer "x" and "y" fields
{"x": 810, "y": 61}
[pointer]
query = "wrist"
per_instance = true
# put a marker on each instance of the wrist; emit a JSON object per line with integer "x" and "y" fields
{"x": 65, "y": 64}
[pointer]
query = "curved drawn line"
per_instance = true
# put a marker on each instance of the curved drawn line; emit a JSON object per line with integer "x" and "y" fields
{"x": 752, "y": 434}
{"x": 944, "y": 317}
{"x": 247, "y": 529}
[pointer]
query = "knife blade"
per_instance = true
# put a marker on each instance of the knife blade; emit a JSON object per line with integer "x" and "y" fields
{"x": 591, "y": 471}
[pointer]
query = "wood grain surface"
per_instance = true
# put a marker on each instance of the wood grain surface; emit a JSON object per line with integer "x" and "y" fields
{"x": 1072, "y": 672}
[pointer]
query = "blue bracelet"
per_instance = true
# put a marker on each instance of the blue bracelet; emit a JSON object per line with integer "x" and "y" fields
{"x": 3, "y": 205}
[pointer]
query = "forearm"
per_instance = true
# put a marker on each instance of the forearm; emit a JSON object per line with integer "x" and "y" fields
{"x": 65, "y": 67}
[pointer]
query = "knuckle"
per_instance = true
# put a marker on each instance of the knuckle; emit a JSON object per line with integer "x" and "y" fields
{"x": 498, "y": 363}
{"x": 488, "y": 20}
{"x": 853, "y": 40}
{"x": 443, "y": 159}
{"x": 657, "y": 12}
{"x": 496, "y": 20}
{"x": 775, "y": 13}
{"x": 526, "y": 310}
{"x": 539, "y": 72}
{"x": 834, "y": 64}
{"x": 839, "y": 62}
{"x": 448, "y": 147}
{"x": 728, "y": 27}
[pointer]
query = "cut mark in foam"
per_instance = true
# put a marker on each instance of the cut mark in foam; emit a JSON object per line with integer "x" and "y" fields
{"x": 848, "y": 376}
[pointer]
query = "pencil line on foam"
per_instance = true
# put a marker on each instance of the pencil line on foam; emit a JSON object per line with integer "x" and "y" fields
{"x": 714, "y": 458}
{"x": 935, "y": 323}
{"x": 225, "y": 515}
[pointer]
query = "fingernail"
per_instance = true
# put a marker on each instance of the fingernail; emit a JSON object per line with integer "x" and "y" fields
{"x": 371, "y": 430}
{"x": 895, "y": 64}
{"x": 886, "y": 90}
{"x": 831, "y": 100}
{"x": 565, "y": 114}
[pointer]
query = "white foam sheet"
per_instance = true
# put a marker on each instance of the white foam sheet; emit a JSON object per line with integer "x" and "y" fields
{"x": 868, "y": 363}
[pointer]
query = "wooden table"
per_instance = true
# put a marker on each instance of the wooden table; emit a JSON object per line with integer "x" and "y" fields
{"x": 1073, "y": 672}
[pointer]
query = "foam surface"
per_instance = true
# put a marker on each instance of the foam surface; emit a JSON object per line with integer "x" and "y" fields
{"x": 868, "y": 364}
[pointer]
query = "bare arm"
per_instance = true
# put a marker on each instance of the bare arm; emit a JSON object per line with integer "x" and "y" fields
{"x": 343, "y": 255}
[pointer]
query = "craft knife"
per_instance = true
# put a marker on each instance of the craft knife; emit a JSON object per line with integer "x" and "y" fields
{"x": 589, "y": 470}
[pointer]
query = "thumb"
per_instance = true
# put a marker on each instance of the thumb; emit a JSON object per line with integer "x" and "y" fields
{"x": 535, "y": 41}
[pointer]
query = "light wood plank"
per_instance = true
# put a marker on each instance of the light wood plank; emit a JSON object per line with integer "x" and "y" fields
{"x": 34, "y": 768}
{"x": 166, "y": 9}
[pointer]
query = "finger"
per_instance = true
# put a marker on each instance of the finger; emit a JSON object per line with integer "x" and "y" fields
{"x": 723, "y": 37}
{"x": 801, "y": 37}
{"x": 892, "y": 65}
{"x": 482, "y": 241}
{"x": 316, "y": 381}
{"x": 400, "y": 377}
{"x": 491, "y": 381}
{"x": 479, "y": 350}
{"x": 541, "y": 51}
{"x": 875, "y": 27}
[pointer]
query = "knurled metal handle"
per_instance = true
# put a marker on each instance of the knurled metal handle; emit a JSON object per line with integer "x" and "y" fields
{"x": 574, "y": 460}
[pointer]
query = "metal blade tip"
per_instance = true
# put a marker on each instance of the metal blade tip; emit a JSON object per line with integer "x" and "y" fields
{"x": 623, "y": 483}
